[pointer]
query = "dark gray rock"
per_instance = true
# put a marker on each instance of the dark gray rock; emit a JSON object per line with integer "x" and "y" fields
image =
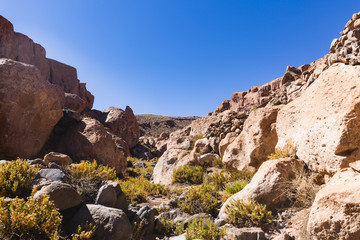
{"x": 52, "y": 174}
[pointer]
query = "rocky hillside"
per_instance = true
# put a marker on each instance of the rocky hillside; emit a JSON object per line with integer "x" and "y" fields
{"x": 279, "y": 161}
{"x": 154, "y": 125}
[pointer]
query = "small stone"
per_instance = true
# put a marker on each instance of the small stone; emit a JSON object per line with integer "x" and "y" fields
{"x": 52, "y": 174}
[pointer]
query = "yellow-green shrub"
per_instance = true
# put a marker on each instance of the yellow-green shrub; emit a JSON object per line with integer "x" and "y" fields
{"x": 188, "y": 174}
{"x": 170, "y": 227}
{"x": 31, "y": 219}
{"x": 87, "y": 177}
{"x": 219, "y": 179}
{"x": 84, "y": 232}
{"x": 86, "y": 169}
{"x": 289, "y": 150}
{"x": 204, "y": 229}
{"x": 138, "y": 189}
{"x": 248, "y": 214}
{"x": 200, "y": 199}
{"x": 236, "y": 186}
{"x": 15, "y": 177}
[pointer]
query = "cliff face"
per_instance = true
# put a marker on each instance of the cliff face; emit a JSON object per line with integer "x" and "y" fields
{"x": 42, "y": 104}
{"x": 21, "y": 48}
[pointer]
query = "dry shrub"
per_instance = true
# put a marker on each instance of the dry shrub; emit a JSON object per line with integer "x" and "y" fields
{"x": 15, "y": 177}
{"x": 248, "y": 214}
{"x": 289, "y": 150}
{"x": 188, "y": 174}
{"x": 301, "y": 191}
{"x": 138, "y": 189}
{"x": 201, "y": 199}
{"x": 204, "y": 229}
{"x": 31, "y": 219}
{"x": 87, "y": 177}
{"x": 84, "y": 232}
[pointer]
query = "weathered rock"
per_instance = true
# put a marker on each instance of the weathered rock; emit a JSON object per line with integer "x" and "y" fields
{"x": 111, "y": 195}
{"x": 111, "y": 223}
{"x": 233, "y": 233}
{"x": 59, "y": 158}
{"x": 147, "y": 216}
{"x": 123, "y": 124}
{"x": 88, "y": 140}
{"x": 52, "y": 174}
{"x": 29, "y": 109}
{"x": 208, "y": 157}
{"x": 201, "y": 146}
{"x": 335, "y": 213}
{"x": 63, "y": 195}
{"x": 86, "y": 95}
{"x": 168, "y": 162}
{"x": 224, "y": 143}
{"x": 74, "y": 102}
{"x": 255, "y": 143}
{"x": 324, "y": 122}
{"x": 268, "y": 184}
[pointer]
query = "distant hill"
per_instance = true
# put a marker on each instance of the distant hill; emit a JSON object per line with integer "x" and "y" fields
{"x": 153, "y": 125}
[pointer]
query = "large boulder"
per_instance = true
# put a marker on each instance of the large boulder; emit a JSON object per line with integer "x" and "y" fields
{"x": 111, "y": 195}
{"x": 62, "y": 194}
{"x": 268, "y": 185}
{"x": 168, "y": 162}
{"x": 335, "y": 213}
{"x": 111, "y": 223}
{"x": 29, "y": 109}
{"x": 74, "y": 102}
{"x": 255, "y": 143}
{"x": 88, "y": 140}
{"x": 324, "y": 121}
{"x": 123, "y": 124}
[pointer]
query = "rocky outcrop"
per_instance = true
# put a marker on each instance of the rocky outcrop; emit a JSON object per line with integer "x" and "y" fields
{"x": 255, "y": 143}
{"x": 19, "y": 47}
{"x": 335, "y": 213}
{"x": 88, "y": 140}
{"x": 29, "y": 109}
{"x": 324, "y": 121}
{"x": 123, "y": 124}
{"x": 268, "y": 185}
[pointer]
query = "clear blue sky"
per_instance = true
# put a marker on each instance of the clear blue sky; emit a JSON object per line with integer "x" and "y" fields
{"x": 178, "y": 57}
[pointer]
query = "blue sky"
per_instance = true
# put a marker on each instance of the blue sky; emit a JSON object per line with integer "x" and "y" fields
{"x": 178, "y": 57}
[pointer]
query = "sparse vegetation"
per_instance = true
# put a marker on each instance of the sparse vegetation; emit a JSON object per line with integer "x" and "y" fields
{"x": 87, "y": 177}
{"x": 188, "y": 174}
{"x": 200, "y": 199}
{"x": 85, "y": 232}
{"x": 170, "y": 227}
{"x": 248, "y": 214}
{"x": 15, "y": 177}
{"x": 195, "y": 138}
{"x": 31, "y": 219}
{"x": 204, "y": 229}
{"x": 289, "y": 150}
{"x": 301, "y": 191}
{"x": 138, "y": 189}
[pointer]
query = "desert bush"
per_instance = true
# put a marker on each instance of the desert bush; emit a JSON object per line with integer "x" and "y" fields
{"x": 195, "y": 138}
{"x": 188, "y": 174}
{"x": 301, "y": 190}
{"x": 217, "y": 162}
{"x": 136, "y": 172}
{"x": 138, "y": 189}
{"x": 84, "y": 232}
{"x": 200, "y": 199}
{"x": 236, "y": 186}
{"x": 248, "y": 214}
{"x": 87, "y": 177}
{"x": 170, "y": 227}
{"x": 15, "y": 177}
{"x": 204, "y": 229}
{"x": 289, "y": 150}
{"x": 219, "y": 179}
{"x": 236, "y": 175}
{"x": 31, "y": 219}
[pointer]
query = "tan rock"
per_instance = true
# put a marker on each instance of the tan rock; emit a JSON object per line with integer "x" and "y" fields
{"x": 89, "y": 140}
{"x": 59, "y": 158}
{"x": 255, "y": 142}
{"x": 74, "y": 102}
{"x": 324, "y": 121}
{"x": 201, "y": 146}
{"x": 224, "y": 143}
{"x": 29, "y": 109}
{"x": 335, "y": 213}
{"x": 123, "y": 124}
{"x": 168, "y": 162}
{"x": 268, "y": 184}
